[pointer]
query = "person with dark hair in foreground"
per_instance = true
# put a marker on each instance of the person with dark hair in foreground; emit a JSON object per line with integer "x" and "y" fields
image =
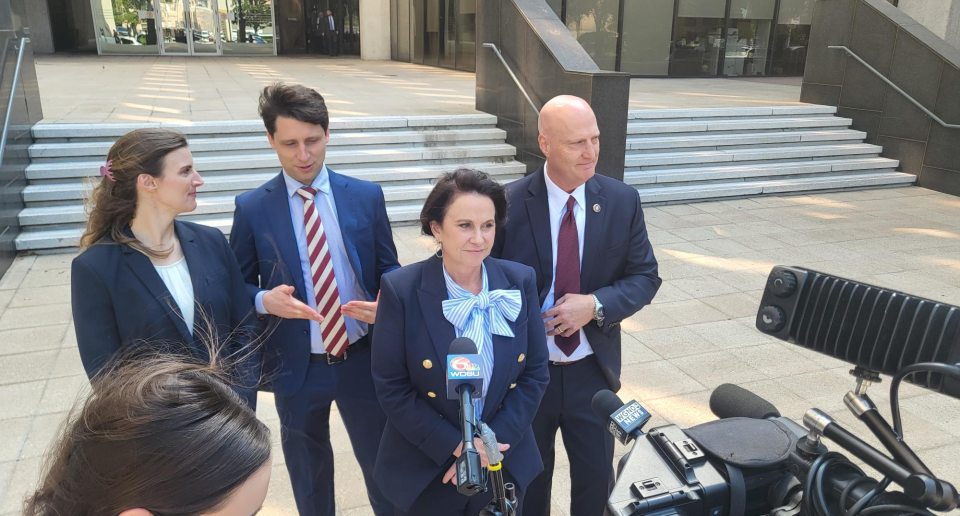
{"x": 585, "y": 236}
{"x": 158, "y": 435}
{"x": 144, "y": 280}
{"x": 312, "y": 245}
{"x": 460, "y": 292}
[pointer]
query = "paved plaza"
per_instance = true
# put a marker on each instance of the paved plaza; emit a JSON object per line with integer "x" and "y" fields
{"x": 699, "y": 332}
{"x": 90, "y": 88}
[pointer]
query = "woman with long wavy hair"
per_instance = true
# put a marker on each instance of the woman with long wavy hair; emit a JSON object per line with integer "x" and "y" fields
{"x": 158, "y": 435}
{"x": 144, "y": 279}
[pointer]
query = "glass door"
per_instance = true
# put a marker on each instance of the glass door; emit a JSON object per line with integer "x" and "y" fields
{"x": 203, "y": 15}
{"x": 175, "y": 39}
{"x": 748, "y": 37}
{"x": 189, "y": 27}
{"x": 698, "y": 38}
{"x": 246, "y": 27}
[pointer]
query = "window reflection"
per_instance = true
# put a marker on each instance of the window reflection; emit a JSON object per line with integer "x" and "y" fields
{"x": 698, "y": 37}
{"x": 647, "y": 28}
{"x": 246, "y": 26}
{"x": 594, "y": 24}
{"x": 792, "y": 37}
{"x": 125, "y": 26}
{"x": 467, "y": 35}
{"x": 748, "y": 37}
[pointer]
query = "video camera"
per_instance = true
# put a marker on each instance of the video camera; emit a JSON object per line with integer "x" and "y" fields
{"x": 753, "y": 461}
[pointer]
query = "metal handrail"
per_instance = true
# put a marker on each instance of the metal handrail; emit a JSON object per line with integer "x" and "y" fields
{"x": 496, "y": 50}
{"x": 13, "y": 95}
{"x": 895, "y": 87}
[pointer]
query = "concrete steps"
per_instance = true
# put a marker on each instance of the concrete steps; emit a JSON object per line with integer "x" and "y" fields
{"x": 403, "y": 154}
{"x": 673, "y": 155}
{"x": 683, "y": 155}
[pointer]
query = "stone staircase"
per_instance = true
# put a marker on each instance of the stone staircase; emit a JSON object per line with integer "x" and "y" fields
{"x": 403, "y": 154}
{"x": 672, "y": 156}
{"x": 684, "y": 155}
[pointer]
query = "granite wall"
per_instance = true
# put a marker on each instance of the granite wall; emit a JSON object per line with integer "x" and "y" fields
{"x": 24, "y": 99}
{"x": 548, "y": 61}
{"x": 913, "y": 58}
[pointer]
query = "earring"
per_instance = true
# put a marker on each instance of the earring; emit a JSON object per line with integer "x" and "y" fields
{"x": 439, "y": 253}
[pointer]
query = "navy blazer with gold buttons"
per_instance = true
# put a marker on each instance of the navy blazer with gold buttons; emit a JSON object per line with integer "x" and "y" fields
{"x": 410, "y": 344}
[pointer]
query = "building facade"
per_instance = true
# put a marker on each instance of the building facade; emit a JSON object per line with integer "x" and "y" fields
{"x": 646, "y": 38}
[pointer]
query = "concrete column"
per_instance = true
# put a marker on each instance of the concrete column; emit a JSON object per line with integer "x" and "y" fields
{"x": 375, "y": 30}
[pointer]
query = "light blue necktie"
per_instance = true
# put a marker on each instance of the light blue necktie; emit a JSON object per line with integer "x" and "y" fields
{"x": 478, "y": 317}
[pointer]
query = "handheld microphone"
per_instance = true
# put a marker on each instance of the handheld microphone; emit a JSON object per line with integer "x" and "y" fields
{"x": 624, "y": 421}
{"x": 463, "y": 369}
{"x": 729, "y": 400}
{"x": 465, "y": 382}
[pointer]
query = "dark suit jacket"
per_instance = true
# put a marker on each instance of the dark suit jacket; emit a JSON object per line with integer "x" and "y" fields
{"x": 266, "y": 247}
{"x": 422, "y": 430}
{"x": 120, "y": 302}
{"x": 618, "y": 265}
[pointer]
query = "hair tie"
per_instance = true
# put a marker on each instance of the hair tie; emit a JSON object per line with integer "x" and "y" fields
{"x": 106, "y": 172}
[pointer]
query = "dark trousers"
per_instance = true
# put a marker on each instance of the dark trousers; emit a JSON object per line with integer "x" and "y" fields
{"x": 330, "y": 43}
{"x": 566, "y": 406}
{"x": 305, "y": 428}
{"x": 440, "y": 499}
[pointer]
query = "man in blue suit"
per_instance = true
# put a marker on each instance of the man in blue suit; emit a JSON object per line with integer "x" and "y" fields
{"x": 585, "y": 237}
{"x": 312, "y": 245}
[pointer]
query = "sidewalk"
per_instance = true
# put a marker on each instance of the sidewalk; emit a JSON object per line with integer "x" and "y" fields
{"x": 115, "y": 89}
{"x": 699, "y": 332}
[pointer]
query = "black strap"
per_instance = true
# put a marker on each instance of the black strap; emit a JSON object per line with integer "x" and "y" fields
{"x": 738, "y": 490}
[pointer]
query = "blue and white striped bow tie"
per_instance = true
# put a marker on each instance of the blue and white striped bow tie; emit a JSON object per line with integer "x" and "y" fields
{"x": 501, "y": 305}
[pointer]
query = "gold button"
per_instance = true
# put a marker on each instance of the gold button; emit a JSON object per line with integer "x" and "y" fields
{"x": 521, "y": 357}
{"x": 427, "y": 364}
{"x": 512, "y": 385}
{"x": 431, "y": 394}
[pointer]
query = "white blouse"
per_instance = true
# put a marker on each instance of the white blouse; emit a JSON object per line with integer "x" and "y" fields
{"x": 176, "y": 277}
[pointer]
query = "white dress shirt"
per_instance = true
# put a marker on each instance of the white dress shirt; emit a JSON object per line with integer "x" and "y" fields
{"x": 347, "y": 282}
{"x": 557, "y": 200}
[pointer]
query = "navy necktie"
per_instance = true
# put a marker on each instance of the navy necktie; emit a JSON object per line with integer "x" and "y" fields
{"x": 568, "y": 271}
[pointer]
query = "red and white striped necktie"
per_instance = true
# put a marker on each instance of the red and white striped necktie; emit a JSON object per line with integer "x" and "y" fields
{"x": 332, "y": 329}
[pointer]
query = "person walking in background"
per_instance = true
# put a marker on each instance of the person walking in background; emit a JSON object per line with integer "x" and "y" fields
{"x": 312, "y": 245}
{"x": 148, "y": 281}
{"x": 585, "y": 237}
{"x": 460, "y": 292}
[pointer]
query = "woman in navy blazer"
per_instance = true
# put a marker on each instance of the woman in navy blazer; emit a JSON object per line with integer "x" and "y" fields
{"x": 146, "y": 282}
{"x": 425, "y": 306}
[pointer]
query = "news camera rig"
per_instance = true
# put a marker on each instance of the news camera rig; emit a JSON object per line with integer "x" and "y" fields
{"x": 753, "y": 461}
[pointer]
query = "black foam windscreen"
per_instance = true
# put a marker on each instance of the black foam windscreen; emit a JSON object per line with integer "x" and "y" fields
{"x": 729, "y": 400}
{"x": 462, "y": 346}
{"x": 875, "y": 328}
{"x": 605, "y": 403}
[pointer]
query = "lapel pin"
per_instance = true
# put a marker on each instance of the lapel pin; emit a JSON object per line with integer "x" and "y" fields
{"x": 596, "y": 208}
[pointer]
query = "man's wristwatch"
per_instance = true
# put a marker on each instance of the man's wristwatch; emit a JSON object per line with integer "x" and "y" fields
{"x": 598, "y": 314}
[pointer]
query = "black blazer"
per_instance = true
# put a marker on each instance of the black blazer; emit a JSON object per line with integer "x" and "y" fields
{"x": 120, "y": 302}
{"x": 618, "y": 265}
{"x": 423, "y": 426}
